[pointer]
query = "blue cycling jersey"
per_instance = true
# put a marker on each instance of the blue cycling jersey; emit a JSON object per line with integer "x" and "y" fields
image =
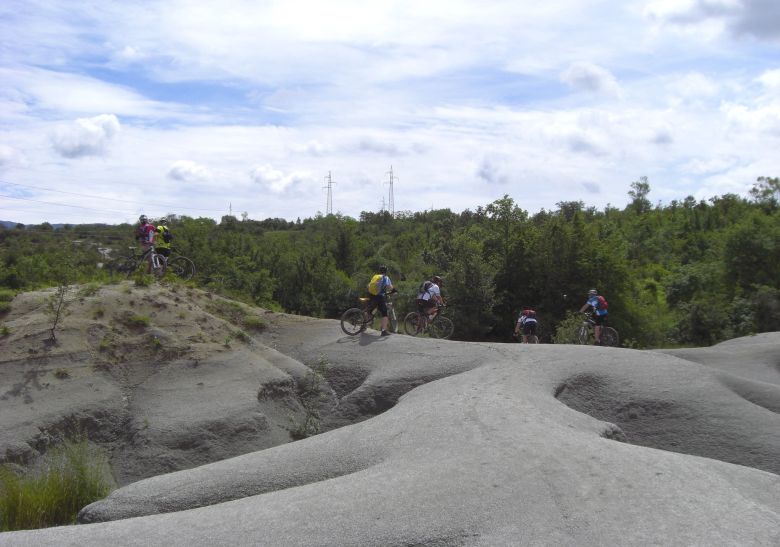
{"x": 593, "y": 302}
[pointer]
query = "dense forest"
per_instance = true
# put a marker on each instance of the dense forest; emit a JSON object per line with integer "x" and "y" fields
{"x": 686, "y": 273}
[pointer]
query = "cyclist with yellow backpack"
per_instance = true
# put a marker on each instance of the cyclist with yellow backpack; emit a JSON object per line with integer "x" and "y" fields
{"x": 162, "y": 242}
{"x": 379, "y": 286}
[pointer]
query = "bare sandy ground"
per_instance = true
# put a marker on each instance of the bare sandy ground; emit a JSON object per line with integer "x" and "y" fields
{"x": 450, "y": 443}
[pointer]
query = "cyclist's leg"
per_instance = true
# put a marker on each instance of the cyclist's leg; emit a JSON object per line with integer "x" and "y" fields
{"x": 382, "y": 306}
{"x": 597, "y": 328}
{"x": 146, "y": 255}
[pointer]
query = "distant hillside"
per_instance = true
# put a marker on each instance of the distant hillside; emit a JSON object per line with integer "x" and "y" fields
{"x": 10, "y": 224}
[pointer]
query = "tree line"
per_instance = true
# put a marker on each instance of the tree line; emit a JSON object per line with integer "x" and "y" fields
{"x": 685, "y": 273}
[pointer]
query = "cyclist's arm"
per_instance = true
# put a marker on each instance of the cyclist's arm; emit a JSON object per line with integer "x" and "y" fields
{"x": 584, "y": 307}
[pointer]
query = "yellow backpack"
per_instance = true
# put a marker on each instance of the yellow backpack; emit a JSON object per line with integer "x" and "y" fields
{"x": 374, "y": 285}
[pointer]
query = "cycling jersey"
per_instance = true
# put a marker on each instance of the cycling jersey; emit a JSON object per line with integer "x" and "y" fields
{"x": 145, "y": 234}
{"x": 593, "y": 302}
{"x": 432, "y": 291}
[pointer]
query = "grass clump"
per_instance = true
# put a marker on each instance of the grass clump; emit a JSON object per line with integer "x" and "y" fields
{"x": 70, "y": 477}
{"x": 138, "y": 321}
{"x": 231, "y": 311}
{"x": 90, "y": 289}
{"x": 61, "y": 373}
{"x": 252, "y": 322}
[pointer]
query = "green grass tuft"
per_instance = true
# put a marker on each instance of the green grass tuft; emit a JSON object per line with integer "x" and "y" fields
{"x": 70, "y": 477}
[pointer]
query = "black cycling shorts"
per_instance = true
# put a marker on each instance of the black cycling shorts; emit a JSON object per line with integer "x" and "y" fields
{"x": 380, "y": 302}
{"x": 529, "y": 328}
{"x": 600, "y": 319}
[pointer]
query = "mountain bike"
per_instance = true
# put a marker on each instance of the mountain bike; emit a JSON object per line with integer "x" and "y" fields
{"x": 128, "y": 265}
{"x": 356, "y": 320}
{"x": 179, "y": 265}
{"x": 584, "y": 333}
{"x": 418, "y": 323}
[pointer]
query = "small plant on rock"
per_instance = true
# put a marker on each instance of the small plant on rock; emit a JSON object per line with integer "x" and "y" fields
{"x": 69, "y": 477}
{"x": 61, "y": 374}
{"x": 310, "y": 395}
{"x": 252, "y": 322}
{"x": 138, "y": 321}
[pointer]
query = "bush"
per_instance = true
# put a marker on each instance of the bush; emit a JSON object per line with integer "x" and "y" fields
{"x": 70, "y": 477}
{"x": 566, "y": 330}
{"x": 252, "y": 322}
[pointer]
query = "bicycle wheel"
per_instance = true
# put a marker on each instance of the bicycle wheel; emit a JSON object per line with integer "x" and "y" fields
{"x": 352, "y": 321}
{"x": 609, "y": 337}
{"x": 181, "y": 267}
{"x": 582, "y": 334}
{"x": 411, "y": 321}
{"x": 123, "y": 266}
{"x": 441, "y": 327}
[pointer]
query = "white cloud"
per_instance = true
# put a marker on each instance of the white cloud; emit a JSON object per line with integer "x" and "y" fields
{"x": 757, "y": 18}
{"x": 85, "y": 136}
{"x": 277, "y": 181}
{"x": 694, "y": 85}
{"x": 188, "y": 171}
{"x": 492, "y": 170}
{"x": 590, "y": 77}
{"x": 10, "y": 157}
{"x": 770, "y": 79}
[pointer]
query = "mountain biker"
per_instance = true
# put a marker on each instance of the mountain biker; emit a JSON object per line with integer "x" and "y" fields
{"x": 526, "y": 323}
{"x": 599, "y": 310}
{"x": 163, "y": 240}
{"x": 379, "y": 287}
{"x": 144, "y": 234}
{"x": 429, "y": 298}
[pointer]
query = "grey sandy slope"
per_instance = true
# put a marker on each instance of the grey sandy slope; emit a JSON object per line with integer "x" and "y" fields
{"x": 501, "y": 453}
{"x": 155, "y": 375}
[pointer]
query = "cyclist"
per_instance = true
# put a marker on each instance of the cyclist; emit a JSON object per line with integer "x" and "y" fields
{"x": 163, "y": 240}
{"x": 429, "y": 299}
{"x": 526, "y": 323}
{"x": 599, "y": 309}
{"x": 144, "y": 234}
{"x": 379, "y": 287}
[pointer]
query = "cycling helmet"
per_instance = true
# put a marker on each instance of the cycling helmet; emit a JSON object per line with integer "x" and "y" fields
{"x": 142, "y": 219}
{"x": 383, "y": 269}
{"x": 592, "y": 291}
{"x": 436, "y": 279}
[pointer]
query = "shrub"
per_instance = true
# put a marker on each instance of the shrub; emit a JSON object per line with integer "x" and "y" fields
{"x": 138, "y": 321}
{"x": 566, "y": 330}
{"x": 252, "y": 322}
{"x": 89, "y": 289}
{"x": 70, "y": 477}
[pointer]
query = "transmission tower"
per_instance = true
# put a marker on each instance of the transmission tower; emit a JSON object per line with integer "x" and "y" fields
{"x": 329, "y": 204}
{"x": 391, "y": 203}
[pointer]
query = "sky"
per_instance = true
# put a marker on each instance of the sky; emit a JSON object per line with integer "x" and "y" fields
{"x": 113, "y": 109}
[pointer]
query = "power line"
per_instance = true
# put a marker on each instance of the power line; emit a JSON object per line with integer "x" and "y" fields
{"x": 103, "y": 197}
{"x": 64, "y": 204}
